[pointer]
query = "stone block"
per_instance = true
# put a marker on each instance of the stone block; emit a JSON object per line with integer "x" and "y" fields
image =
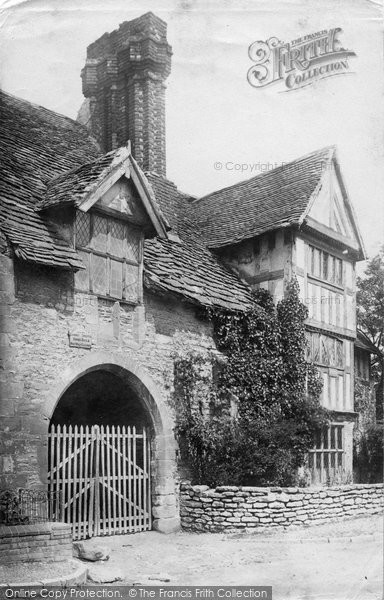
{"x": 170, "y": 525}
{"x": 11, "y": 390}
{"x": 199, "y": 489}
{"x": 258, "y": 506}
{"x": 164, "y": 500}
{"x": 7, "y": 407}
{"x": 185, "y": 486}
{"x": 163, "y": 512}
{"x": 7, "y": 464}
{"x": 277, "y": 505}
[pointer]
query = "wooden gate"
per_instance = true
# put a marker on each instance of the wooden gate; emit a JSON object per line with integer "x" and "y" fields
{"x": 101, "y": 476}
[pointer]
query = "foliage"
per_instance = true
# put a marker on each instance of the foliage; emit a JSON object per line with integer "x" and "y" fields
{"x": 370, "y": 301}
{"x": 339, "y": 477}
{"x": 370, "y": 318}
{"x": 276, "y": 393}
{"x": 10, "y": 511}
{"x": 368, "y": 455}
{"x": 363, "y": 405}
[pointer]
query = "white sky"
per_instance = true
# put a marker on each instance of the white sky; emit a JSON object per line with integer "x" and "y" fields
{"x": 213, "y": 114}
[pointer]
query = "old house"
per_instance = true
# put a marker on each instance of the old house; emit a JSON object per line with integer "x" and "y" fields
{"x": 297, "y": 220}
{"x": 104, "y": 266}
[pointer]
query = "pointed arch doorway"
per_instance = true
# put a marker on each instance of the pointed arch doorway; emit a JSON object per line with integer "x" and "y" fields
{"x": 105, "y": 453}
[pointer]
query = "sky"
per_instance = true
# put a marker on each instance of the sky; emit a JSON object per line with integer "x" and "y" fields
{"x": 214, "y": 116}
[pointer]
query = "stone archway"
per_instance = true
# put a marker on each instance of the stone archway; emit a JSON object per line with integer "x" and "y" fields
{"x": 164, "y": 486}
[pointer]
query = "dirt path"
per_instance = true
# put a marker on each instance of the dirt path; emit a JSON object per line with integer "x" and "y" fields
{"x": 333, "y": 562}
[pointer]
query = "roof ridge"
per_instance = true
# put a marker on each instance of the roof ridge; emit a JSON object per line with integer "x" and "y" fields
{"x": 331, "y": 148}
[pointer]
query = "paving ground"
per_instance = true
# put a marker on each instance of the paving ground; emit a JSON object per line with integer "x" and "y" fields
{"x": 341, "y": 561}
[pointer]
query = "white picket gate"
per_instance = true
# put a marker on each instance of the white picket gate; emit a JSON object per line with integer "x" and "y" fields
{"x": 101, "y": 479}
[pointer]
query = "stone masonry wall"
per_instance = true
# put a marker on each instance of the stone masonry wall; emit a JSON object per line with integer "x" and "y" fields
{"x": 40, "y": 311}
{"x": 31, "y": 543}
{"x": 229, "y": 508}
{"x": 40, "y": 316}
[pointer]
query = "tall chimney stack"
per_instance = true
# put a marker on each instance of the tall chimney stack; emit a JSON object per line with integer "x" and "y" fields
{"x": 123, "y": 79}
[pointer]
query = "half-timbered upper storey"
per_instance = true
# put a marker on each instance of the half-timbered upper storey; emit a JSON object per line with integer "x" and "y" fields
{"x": 297, "y": 220}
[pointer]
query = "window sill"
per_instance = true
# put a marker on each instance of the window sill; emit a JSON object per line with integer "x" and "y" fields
{"x": 326, "y": 283}
{"x": 331, "y": 368}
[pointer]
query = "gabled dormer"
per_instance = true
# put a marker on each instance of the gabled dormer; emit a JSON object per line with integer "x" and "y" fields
{"x": 105, "y": 209}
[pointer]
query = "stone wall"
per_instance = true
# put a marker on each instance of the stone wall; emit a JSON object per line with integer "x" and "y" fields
{"x": 31, "y": 543}
{"x": 229, "y": 508}
{"x": 39, "y": 312}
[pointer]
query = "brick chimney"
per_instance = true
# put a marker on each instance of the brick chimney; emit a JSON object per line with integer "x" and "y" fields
{"x": 123, "y": 80}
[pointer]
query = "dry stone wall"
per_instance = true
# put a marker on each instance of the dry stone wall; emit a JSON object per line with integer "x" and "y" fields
{"x": 229, "y": 508}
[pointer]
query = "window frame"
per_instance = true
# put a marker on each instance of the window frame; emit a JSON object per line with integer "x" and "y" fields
{"x": 322, "y": 450}
{"x": 361, "y": 365}
{"x": 109, "y": 256}
{"x": 324, "y": 266}
{"x": 311, "y": 335}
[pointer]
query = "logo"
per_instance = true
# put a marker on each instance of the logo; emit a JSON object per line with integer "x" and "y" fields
{"x": 300, "y": 62}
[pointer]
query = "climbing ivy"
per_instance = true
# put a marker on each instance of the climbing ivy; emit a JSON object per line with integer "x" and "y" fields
{"x": 266, "y": 374}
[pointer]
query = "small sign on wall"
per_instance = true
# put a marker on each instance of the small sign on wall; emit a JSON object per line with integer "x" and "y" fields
{"x": 79, "y": 340}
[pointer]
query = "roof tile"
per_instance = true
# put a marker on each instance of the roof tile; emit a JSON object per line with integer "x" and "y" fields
{"x": 37, "y": 144}
{"x": 266, "y": 202}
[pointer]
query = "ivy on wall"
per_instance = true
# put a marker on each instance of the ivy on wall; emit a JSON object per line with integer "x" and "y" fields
{"x": 253, "y": 423}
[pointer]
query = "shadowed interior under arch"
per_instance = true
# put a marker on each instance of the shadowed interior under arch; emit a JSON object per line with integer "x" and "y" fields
{"x": 101, "y": 397}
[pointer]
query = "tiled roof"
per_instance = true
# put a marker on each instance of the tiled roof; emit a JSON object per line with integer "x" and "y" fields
{"x": 266, "y": 202}
{"x": 186, "y": 267}
{"x": 169, "y": 198}
{"x": 81, "y": 184}
{"x": 72, "y": 186}
{"x": 37, "y": 144}
{"x": 46, "y": 159}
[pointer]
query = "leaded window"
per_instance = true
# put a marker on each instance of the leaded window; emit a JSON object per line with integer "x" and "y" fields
{"x": 324, "y": 266}
{"x": 326, "y": 457}
{"x": 111, "y": 251}
{"x": 325, "y": 350}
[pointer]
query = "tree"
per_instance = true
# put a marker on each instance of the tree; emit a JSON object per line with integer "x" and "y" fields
{"x": 370, "y": 314}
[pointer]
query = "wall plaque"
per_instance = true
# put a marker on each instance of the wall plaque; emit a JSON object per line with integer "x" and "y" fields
{"x": 80, "y": 340}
